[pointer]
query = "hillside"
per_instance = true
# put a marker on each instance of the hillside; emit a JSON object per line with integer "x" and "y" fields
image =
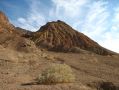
{"x": 59, "y": 36}
{"x": 5, "y": 25}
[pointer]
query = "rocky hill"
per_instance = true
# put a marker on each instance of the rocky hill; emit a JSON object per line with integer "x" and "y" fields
{"x": 59, "y": 36}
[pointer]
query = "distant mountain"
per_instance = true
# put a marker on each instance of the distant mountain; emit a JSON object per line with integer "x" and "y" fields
{"x": 22, "y": 32}
{"x": 59, "y": 36}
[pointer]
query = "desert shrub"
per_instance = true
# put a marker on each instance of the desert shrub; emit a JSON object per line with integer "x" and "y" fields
{"x": 75, "y": 49}
{"x": 57, "y": 73}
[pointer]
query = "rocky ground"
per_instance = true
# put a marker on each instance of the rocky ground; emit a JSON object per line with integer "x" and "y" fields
{"x": 18, "y": 71}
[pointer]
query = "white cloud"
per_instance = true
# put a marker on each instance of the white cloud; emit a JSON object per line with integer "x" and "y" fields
{"x": 34, "y": 18}
{"x": 111, "y": 38}
{"x": 70, "y": 8}
{"x": 21, "y": 20}
{"x": 115, "y": 20}
{"x": 96, "y": 20}
{"x": 111, "y": 41}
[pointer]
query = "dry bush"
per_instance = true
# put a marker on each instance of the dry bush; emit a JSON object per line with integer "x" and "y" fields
{"x": 57, "y": 73}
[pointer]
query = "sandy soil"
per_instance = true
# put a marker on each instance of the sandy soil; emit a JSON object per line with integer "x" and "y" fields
{"x": 18, "y": 70}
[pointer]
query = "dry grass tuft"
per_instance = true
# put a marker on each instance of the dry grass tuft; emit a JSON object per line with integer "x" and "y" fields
{"x": 57, "y": 73}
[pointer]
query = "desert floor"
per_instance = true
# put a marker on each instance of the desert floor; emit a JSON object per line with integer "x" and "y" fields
{"x": 18, "y": 70}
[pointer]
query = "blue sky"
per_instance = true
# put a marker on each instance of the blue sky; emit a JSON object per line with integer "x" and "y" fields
{"x": 99, "y": 19}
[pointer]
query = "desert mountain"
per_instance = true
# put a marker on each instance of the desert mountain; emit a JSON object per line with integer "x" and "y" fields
{"x": 59, "y": 36}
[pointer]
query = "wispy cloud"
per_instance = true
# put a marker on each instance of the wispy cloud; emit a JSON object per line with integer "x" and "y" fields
{"x": 33, "y": 19}
{"x": 115, "y": 20}
{"x": 96, "y": 19}
{"x": 111, "y": 37}
{"x": 70, "y": 8}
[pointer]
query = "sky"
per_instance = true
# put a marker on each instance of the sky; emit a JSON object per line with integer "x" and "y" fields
{"x": 98, "y": 19}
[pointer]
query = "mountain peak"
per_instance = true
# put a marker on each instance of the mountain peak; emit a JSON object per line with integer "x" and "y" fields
{"x": 57, "y": 27}
{"x": 58, "y": 22}
{"x": 59, "y": 36}
{"x": 54, "y": 22}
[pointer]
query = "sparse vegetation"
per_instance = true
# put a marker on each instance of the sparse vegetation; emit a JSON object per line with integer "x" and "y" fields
{"x": 48, "y": 57}
{"x": 56, "y": 73}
